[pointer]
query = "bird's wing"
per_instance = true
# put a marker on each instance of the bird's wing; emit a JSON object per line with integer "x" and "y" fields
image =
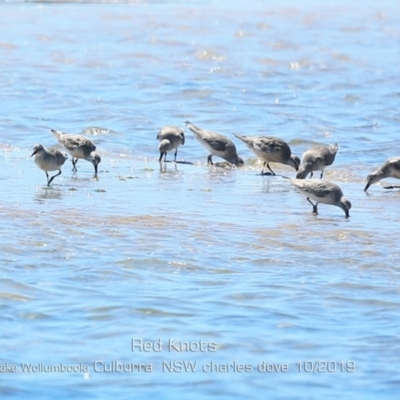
{"x": 218, "y": 145}
{"x": 72, "y": 142}
{"x": 270, "y": 145}
{"x": 317, "y": 189}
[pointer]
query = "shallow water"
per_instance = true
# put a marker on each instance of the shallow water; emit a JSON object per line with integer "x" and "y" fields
{"x": 232, "y": 263}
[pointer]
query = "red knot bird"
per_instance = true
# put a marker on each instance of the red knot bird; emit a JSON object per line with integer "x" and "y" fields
{"x": 217, "y": 144}
{"x": 48, "y": 160}
{"x": 170, "y": 138}
{"x": 322, "y": 191}
{"x": 389, "y": 169}
{"x": 78, "y": 146}
{"x": 316, "y": 159}
{"x": 270, "y": 149}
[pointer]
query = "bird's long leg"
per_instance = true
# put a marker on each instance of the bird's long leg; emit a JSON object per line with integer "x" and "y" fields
{"x": 315, "y": 209}
{"x": 322, "y": 174}
{"x": 311, "y": 175}
{"x": 48, "y": 183}
{"x": 263, "y": 168}
{"x": 59, "y": 173}
{"x": 161, "y": 156}
{"x": 209, "y": 160}
{"x": 74, "y": 161}
{"x": 272, "y": 172}
{"x": 176, "y": 152}
{"x": 308, "y": 199}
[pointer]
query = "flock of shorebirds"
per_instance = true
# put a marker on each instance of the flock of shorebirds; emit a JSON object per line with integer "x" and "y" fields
{"x": 269, "y": 149}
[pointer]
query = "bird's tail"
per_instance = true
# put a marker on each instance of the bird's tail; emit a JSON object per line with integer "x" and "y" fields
{"x": 192, "y": 127}
{"x": 239, "y": 136}
{"x": 57, "y": 134}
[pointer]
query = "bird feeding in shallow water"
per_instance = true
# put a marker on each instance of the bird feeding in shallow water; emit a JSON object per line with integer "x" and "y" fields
{"x": 78, "y": 146}
{"x": 322, "y": 191}
{"x": 270, "y": 149}
{"x": 217, "y": 144}
{"x": 389, "y": 169}
{"x": 48, "y": 160}
{"x": 170, "y": 138}
{"x": 316, "y": 159}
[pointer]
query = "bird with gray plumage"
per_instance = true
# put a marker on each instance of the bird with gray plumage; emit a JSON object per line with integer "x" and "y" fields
{"x": 316, "y": 159}
{"x": 389, "y": 169}
{"x": 48, "y": 160}
{"x": 271, "y": 149}
{"x": 170, "y": 138}
{"x": 217, "y": 144}
{"x": 78, "y": 146}
{"x": 322, "y": 191}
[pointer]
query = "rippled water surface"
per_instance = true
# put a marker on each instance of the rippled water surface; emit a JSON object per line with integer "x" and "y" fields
{"x": 183, "y": 280}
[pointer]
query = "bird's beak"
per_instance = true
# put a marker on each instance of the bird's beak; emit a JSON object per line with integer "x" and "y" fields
{"x": 367, "y": 186}
{"x": 34, "y": 152}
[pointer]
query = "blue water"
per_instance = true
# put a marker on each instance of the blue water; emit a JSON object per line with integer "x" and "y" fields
{"x": 231, "y": 263}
